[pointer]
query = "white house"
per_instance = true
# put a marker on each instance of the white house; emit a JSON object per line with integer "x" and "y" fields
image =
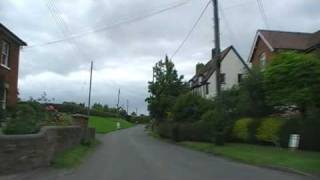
{"x": 232, "y": 69}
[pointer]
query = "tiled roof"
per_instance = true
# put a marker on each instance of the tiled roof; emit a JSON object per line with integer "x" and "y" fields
{"x": 291, "y": 40}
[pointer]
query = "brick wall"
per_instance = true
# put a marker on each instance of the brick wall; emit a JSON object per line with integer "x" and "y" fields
{"x": 24, "y": 152}
{"x": 11, "y": 76}
{"x": 260, "y": 48}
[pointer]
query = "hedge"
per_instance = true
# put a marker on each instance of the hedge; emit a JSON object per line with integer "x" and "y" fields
{"x": 240, "y": 130}
{"x": 269, "y": 130}
{"x": 199, "y": 131}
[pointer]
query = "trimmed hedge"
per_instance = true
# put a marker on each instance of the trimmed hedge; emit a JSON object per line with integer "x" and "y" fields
{"x": 199, "y": 131}
{"x": 240, "y": 129}
{"x": 269, "y": 130}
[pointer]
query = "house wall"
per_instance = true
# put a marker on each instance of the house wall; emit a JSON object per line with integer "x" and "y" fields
{"x": 231, "y": 66}
{"x": 11, "y": 75}
{"x": 260, "y": 47}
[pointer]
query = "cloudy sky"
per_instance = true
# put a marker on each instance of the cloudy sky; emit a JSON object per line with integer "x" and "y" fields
{"x": 124, "y": 54}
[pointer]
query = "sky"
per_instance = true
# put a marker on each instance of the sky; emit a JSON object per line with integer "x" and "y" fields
{"x": 124, "y": 55}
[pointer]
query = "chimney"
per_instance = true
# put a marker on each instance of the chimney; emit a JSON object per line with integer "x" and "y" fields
{"x": 199, "y": 68}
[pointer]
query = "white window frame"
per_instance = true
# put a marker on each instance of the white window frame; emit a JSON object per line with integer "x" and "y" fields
{"x": 5, "y": 53}
{"x": 262, "y": 60}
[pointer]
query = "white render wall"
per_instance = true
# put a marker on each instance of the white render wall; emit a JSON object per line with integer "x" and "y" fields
{"x": 231, "y": 66}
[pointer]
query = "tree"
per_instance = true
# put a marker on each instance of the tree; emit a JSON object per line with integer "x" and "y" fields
{"x": 164, "y": 89}
{"x": 294, "y": 79}
{"x": 252, "y": 95}
{"x": 189, "y": 108}
{"x": 98, "y": 107}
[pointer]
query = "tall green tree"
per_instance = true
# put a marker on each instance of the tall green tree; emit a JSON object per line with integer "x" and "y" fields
{"x": 252, "y": 95}
{"x": 166, "y": 86}
{"x": 294, "y": 79}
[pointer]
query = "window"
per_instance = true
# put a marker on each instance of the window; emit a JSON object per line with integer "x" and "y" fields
{"x": 5, "y": 54}
{"x": 222, "y": 78}
{"x": 240, "y": 76}
{"x": 262, "y": 60}
{"x": 207, "y": 88}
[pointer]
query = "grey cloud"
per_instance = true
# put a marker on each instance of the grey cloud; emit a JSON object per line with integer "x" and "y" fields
{"x": 125, "y": 55}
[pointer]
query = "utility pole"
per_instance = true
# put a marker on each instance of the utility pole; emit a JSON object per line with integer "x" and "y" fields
{"x": 137, "y": 111}
{"x": 217, "y": 45}
{"x": 127, "y": 106}
{"x": 118, "y": 99}
{"x": 89, "y": 99}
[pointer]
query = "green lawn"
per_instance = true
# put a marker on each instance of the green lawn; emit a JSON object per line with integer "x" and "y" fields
{"x": 74, "y": 156}
{"x": 105, "y": 125}
{"x": 304, "y": 161}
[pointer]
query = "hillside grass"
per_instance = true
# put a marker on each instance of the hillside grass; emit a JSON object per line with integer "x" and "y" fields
{"x": 105, "y": 125}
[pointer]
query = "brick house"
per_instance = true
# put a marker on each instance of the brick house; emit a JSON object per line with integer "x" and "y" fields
{"x": 9, "y": 66}
{"x": 233, "y": 67}
{"x": 267, "y": 43}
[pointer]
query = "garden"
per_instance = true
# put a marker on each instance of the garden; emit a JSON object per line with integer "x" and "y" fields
{"x": 259, "y": 114}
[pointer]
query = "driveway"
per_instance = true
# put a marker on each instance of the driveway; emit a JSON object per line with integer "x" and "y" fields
{"x": 132, "y": 155}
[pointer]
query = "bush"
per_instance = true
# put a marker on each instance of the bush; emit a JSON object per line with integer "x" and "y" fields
{"x": 199, "y": 131}
{"x": 310, "y": 131}
{"x": 165, "y": 130}
{"x": 240, "y": 129}
{"x": 189, "y": 108}
{"x": 23, "y": 121}
{"x": 269, "y": 130}
{"x": 219, "y": 122}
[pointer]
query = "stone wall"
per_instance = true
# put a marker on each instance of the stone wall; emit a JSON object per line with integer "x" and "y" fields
{"x": 24, "y": 152}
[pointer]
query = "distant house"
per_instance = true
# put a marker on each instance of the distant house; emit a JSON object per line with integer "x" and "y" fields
{"x": 9, "y": 66}
{"x": 267, "y": 43}
{"x": 233, "y": 68}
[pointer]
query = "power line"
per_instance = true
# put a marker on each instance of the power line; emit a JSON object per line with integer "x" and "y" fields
{"x": 263, "y": 13}
{"x": 64, "y": 28}
{"x": 191, "y": 30}
{"x": 226, "y": 22}
{"x": 108, "y": 27}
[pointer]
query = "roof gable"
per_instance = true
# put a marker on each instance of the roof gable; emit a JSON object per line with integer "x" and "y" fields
{"x": 10, "y": 34}
{"x": 210, "y": 67}
{"x": 286, "y": 40}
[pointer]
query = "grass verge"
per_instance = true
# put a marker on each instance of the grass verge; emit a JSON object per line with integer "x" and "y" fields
{"x": 304, "y": 161}
{"x": 73, "y": 157}
{"x": 105, "y": 125}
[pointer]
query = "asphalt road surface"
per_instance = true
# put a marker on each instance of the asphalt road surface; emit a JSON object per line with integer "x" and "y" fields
{"x": 133, "y": 155}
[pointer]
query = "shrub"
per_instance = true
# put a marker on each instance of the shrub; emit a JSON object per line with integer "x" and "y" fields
{"x": 199, "y": 131}
{"x": 189, "y": 108}
{"x": 218, "y": 120}
{"x": 252, "y": 130}
{"x": 269, "y": 130}
{"x": 23, "y": 121}
{"x": 165, "y": 130}
{"x": 310, "y": 131}
{"x": 240, "y": 129}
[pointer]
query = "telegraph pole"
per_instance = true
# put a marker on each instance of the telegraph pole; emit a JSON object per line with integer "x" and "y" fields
{"x": 89, "y": 99}
{"x": 127, "y": 106}
{"x": 118, "y": 99}
{"x": 217, "y": 45}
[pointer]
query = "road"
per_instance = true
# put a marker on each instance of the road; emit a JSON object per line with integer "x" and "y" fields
{"x": 133, "y": 155}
